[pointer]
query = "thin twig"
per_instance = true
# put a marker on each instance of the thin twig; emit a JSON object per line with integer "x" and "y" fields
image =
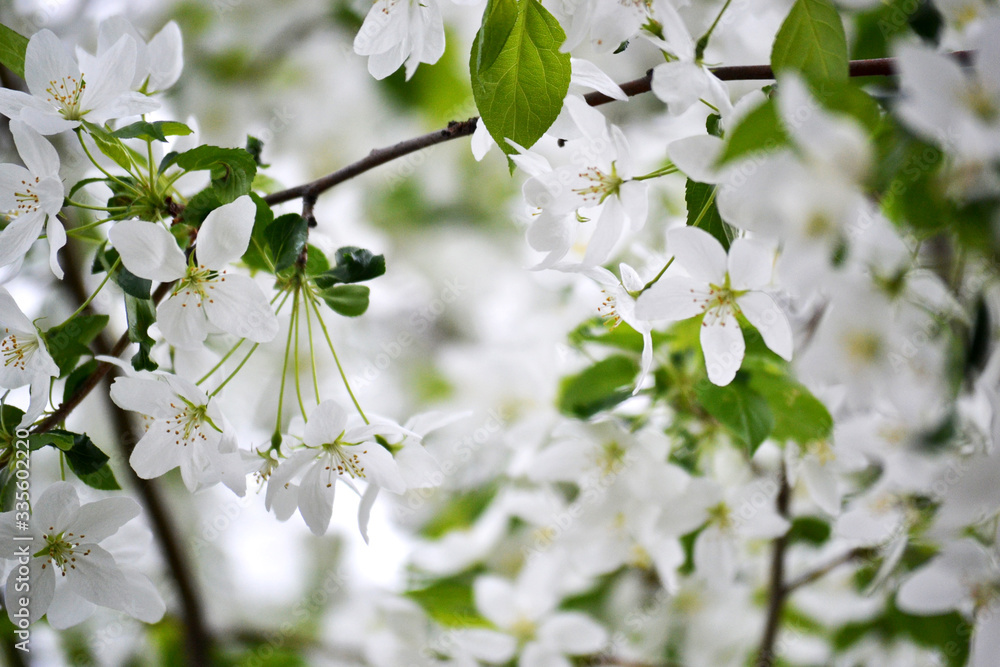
{"x": 823, "y": 570}
{"x": 456, "y": 129}
{"x": 776, "y": 589}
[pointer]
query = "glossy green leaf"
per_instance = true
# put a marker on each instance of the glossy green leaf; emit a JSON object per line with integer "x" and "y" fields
{"x": 703, "y": 212}
{"x": 12, "y": 48}
{"x": 68, "y": 341}
{"x": 232, "y": 170}
{"x": 347, "y": 300}
{"x": 760, "y": 130}
{"x": 599, "y": 387}
{"x": 743, "y": 412}
{"x": 812, "y": 41}
{"x": 354, "y": 265}
{"x": 155, "y": 131}
{"x": 519, "y": 87}
{"x": 286, "y": 238}
{"x": 141, "y": 313}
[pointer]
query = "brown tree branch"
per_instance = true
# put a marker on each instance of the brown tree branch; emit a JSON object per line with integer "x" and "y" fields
{"x": 777, "y": 590}
{"x": 456, "y": 129}
{"x": 197, "y": 639}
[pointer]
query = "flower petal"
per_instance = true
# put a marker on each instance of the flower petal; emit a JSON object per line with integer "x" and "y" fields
{"x": 673, "y": 299}
{"x": 148, "y": 250}
{"x": 723, "y": 346}
{"x": 573, "y": 633}
{"x": 182, "y": 320}
{"x": 769, "y": 320}
{"x": 316, "y": 500}
{"x": 237, "y": 306}
{"x": 326, "y": 423}
{"x": 36, "y": 152}
{"x": 225, "y": 234}
{"x": 701, "y": 255}
{"x": 751, "y": 264}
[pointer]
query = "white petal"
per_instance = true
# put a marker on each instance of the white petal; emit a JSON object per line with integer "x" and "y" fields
{"x": 365, "y": 509}
{"x": 316, "y": 500}
{"x": 156, "y": 453}
{"x": 573, "y": 633}
{"x": 679, "y": 84}
{"x": 610, "y": 225}
{"x": 166, "y": 58}
{"x": 148, "y": 250}
{"x": 326, "y": 423}
{"x": 986, "y": 637}
{"x": 699, "y": 253}
{"x": 236, "y": 305}
{"x": 103, "y": 518}
{"x": 723, "y": 346}
{"x": 36, "y": 152}
{"x": 46, "y": 60}
{"x": 225, "y": 234}
{"x": 380, "y": 466}
{"x": 673, "y": 299}
{"x": 56, "y": 235}
{"x": 182, "y": 320}
{"x": 481, "y": 141}
{"x": 751, "y": 264}
{"x": 143, "y": 601}
{"x": 43, "y": 588}
{"x": 496, "y": 600}
{"x": 98, "y": 579}
{"x": 696, "y": 157}
{"x": 17, "y": 237}
{"x": 107, "y": 88}
{"x": 769, "y": 320}
{"x": 934, "y": 589}
{"x": 145, "y": 396}
{"x": 586, "y": 73}
{"x": 487, "y": 645}
{"x": 57, "y": 507}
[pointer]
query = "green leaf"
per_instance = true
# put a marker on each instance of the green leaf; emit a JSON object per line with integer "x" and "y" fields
{"x": 348, "y": 300}
{"x": 199, "y": 206}
{"x": 286, "y": 237}
{"x": 84, "y": 457}
{"x": 68, "y": 341}
{"x": 77, "y": 377}
{"x": 760, "y": 130}
{"x": 110, "y": 145}
{"x": 140, "y": 314}
{"x": 599, "y": 387}
{"x": 498, "y": 22}
{"x": 518, "y": 87}
{"x": 354, "y": 265}
{"x": 316, "y": 261}
{"x": 103, "y": 478}
{"x": 450, "y": 602}
{"x": 257, "y": 256}
{"x": 812, "y": 41}
{"x": 62, "y": 440}
{"x": 743, "y": 412}
{"x": 155, "y": 131}
{"x": 702, "y": 210}
{"x": 12, "y": 48}
{"x": 798, "y": 415}
{"x": 809, "y": 530}
{"x": 232, "y": 170}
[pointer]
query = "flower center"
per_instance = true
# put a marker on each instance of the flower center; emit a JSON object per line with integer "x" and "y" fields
{"x": 608, "y": 310}
{"x": 27, "y": 201}
{"x": 599, "y": 186}
{"x": 344, "y": 461}
{"x": 523, "y": 630}
{"x": 66, "y": 94}
{"x": 62, "y": 550}
{"x": 863, "y": 346}
{"x": 186, "y": 424}
{"x": 721, "y": 516}
{"x": 18, "y": 352}
{"x": 198, "y": 282}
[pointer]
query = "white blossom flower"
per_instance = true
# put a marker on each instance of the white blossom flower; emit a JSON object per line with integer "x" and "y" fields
{"x": 598, "y": 182}
{"x": 400, "y": 31}
{"x": 720, "y": 288}
{"x": 26, "y": 360}
{"x": 184, "y": 428}
{"x": 332, "y": 451}
{"x": 205, "y": 294}
{"x": 30, "y": 196}
{"x": 158, "y": 63}
{"x": 529, "y": 623}
{"x": 69, "y": 572}
{"x": 61, "y": 96}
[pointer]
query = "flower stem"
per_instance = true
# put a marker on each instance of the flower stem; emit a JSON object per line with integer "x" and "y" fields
{"x": 284, "y": 366}
{"x": 312, "y": 356}
{"x": 702, "y": 44}
{"x": 658, "y": 276}
{"x": 669, "y": 169}
{"x": 104, "y": 171}
{"x": 96, "y": 291}
{"x": 298, "y": 381}
{"x": 236, "y": 370}
{"x": 343, "y": 376}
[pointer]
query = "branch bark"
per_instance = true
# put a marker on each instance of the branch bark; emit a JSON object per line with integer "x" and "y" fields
{"x": 777, "y": 591}
{"x": 197, "y": 638}
{"x": 456, "y": 129}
